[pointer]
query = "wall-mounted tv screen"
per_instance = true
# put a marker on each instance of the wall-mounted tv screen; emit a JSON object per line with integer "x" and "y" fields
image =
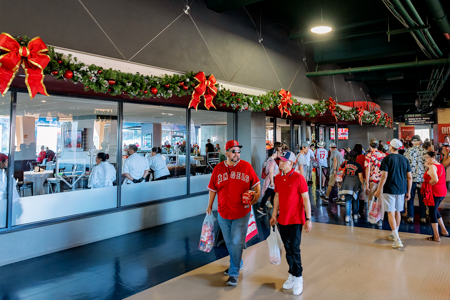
{"x": 342, "y": 133}
{"x": 332, "y": 134}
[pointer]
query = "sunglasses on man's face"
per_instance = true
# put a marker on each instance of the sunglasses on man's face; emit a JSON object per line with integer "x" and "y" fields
{"x": 235, "y": 151}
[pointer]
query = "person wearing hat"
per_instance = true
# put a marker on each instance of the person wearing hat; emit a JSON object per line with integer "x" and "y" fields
{"x": 416, "y": 157}
{"x": 395, "y": 182}
{"x": 352, "y": 184}
{"x": 336, "y": 160}
{"x": 372, "y": 165}
{"x": 303, "y": 160}
{"x": 291, "y": 204}
{"x": 322, "y": 157}
{"x": 230, "y": 179}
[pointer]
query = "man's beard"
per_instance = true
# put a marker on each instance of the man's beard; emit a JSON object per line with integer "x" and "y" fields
{"x": 235, "y": 160}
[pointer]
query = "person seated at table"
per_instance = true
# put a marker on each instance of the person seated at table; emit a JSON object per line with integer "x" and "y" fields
{"x": 135, "y": 167}
{"x": 50, "y": 154}
{"x": 158, "y": 164}
{"x": 183, "y": 147}
{"x": 103, "y": 174}
{"x": 217, "y": 148}
{"x": 41, "y": 156}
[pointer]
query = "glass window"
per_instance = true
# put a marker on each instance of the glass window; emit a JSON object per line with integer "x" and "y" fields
{"x": 269, "y": 133}
{"x": 284, "y": 133}
{"x": 5, "y": 109}
{"x": 65, "y": 157}
{"x": 210, "y": 131}
{"x": 151, "y": 175}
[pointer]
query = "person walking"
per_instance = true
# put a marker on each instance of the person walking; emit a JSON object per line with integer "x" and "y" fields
{"x": 361, "y": 159}
{"x": 395, "y": 182}
{"x": 271, "y": 170}
{"x": 291, "y": 204}
{"x": 279, "y": 148}
{"x": 303, "y": 160}
{"x": 435, "y": 190}
{"x": 446, "y": 164}
{"x": 373, "y": 173}
{"x": 229, "y": 180}
{"x": 321, "y": 157}
{"x": 336, "y": 160}
{"x": 351, "y": 186}
{"x": 416, "y": 157}
{"x": 311, "y": 159}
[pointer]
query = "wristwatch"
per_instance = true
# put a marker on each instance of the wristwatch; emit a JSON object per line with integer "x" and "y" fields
{"x": 307, "y": 219}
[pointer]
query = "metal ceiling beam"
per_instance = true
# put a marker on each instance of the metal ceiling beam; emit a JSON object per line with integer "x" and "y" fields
{"x": 225, "y": 5}
{"x": 423, "y": 63}
{"x": 439, "y": 15}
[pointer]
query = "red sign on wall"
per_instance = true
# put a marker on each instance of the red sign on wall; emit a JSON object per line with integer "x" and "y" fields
{"x": 407, "y": 133}
{"x": 443, "y": 130}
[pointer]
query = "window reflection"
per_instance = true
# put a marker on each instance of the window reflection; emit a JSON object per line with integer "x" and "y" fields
{"x": 4, "y": 150}
{"x": 58, "y": 143}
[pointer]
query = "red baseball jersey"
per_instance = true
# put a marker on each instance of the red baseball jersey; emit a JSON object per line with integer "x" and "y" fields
{"x": 230, "y": 182}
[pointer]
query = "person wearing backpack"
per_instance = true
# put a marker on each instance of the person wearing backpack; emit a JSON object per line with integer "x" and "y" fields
{"x": 269, "y": 171}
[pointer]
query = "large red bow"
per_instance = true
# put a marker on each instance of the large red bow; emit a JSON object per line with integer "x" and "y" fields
{"x": 359, "y": 114}
{"x": 378, "y": 117}
{"x": 205, "y": 88}
{"x": 331, "y": 105}
{"x": 285, "y": 102}
{"x": 34, "y": 59}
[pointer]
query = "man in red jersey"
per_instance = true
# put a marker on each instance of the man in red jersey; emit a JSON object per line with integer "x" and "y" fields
{"x": 292, "y": 203}
{"x": 229, "y": 180}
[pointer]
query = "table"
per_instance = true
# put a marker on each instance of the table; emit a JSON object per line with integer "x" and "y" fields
{"x": 38, "y": 179}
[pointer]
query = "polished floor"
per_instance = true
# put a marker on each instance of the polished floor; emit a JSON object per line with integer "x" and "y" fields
{"x": 123, "y": 266}
{"x": 339, "y": 263}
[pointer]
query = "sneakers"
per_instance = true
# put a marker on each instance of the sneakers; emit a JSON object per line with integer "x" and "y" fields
{"x": 410, "y": 220}
{"x": 391, "y": 237}
{"x": 260, "y": 211}
{"x": 355, "y": 217}
{"x": 269, "y": 205}
{"x": 289, "y": 283}
{"x": 226, "y": 271}
{"x": 423, "y": 220}
{"x": 232, "y": 280}
{"x": 347, "y": 219}
{"x": 298, "y": 285}
{"x": 397, "y": 244}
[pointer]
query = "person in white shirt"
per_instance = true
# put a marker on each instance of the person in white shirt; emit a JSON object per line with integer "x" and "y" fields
{"x": 322, "y": 158}
{"x": 135, "y": 167}
{"x": 158, "y": 164}
{"x": 103, "y": 174}
{"x": 311, "y": 158}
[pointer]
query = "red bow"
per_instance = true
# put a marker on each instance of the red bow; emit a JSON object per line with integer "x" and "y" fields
{"x": 378, "y": 117}
{"x": 359, "y": 114}
{"x": 285, "y": 102}
{"x": 34, "y": 59}
{"x": 205, "y": 88}
{"x": 331, "y": 105}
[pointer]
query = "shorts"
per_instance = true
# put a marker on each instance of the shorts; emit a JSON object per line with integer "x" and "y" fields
{"x": 393, "y": 202}
{"x": 332, "y": 180}
{"x": 372, "y": 189}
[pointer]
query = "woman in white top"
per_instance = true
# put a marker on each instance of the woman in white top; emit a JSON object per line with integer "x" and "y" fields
{"x": 103, "y": 174}
{"x": 271, "y": 170}
{"x": 158, "y": 164}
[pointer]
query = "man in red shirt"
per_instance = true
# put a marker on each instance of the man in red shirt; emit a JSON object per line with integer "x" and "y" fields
{"x": 292, "y": 202}
{"x": 229, "y": 180}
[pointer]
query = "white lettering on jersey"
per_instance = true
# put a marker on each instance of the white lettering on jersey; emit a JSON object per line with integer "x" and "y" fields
{"x": 247, "y": 178}
{"x": 233, "y": 175}
{"x": 238, "y": 175}
{"x": 225, "y": 176}
{"x": 219, "y": 179}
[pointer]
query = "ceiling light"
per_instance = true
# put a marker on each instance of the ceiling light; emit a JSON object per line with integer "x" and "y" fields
{"x": 43, "y": 101}
{"x": 321, "y": 27}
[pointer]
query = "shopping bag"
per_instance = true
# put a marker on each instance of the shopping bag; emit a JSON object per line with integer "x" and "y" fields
{"x": 374, "y": 211}
{"x": 275, "y": 245}
{"x": 207, "y": 235}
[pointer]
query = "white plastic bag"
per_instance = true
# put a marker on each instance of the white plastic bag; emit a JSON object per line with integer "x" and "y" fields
{"x": 374, "y": 211}
{"x": 207, "y": 235}
{"x": 275, "y": 245}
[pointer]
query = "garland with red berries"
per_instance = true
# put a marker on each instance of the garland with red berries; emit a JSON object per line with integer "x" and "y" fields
{"x": 115, "y": 82}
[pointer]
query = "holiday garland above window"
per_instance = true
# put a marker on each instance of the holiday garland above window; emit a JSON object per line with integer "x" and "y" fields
{"x": 115, "y": 82}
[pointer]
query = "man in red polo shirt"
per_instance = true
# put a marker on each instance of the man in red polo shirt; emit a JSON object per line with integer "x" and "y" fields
{"x": 291, "y": 202}
{"x": 229, "y": 180}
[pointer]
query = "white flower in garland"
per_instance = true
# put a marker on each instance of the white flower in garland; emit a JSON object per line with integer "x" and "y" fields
{"x": 258, "y": 102}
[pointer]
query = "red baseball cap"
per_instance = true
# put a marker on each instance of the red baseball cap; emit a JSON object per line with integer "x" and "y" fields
{"x": 3, "y": 157}
{"x": 231, "y": 144}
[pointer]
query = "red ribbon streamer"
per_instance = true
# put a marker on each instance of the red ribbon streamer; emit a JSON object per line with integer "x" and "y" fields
{"x": 285, "y": 102}
{"x": 34, "y": 59}
{"x": 205, "y": 88}
{"x": 378, "y": 117}
{"x": 359, "y": 114}
{"x": 331, "y": 105}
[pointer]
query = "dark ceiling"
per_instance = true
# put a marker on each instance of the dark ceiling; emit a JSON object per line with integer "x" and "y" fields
{"x": 359, "y": 39}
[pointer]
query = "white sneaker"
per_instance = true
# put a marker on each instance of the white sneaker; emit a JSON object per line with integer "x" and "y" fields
{"x": 289, "y": 283}
{"x": 355, "y": 217}
{"x": 391, "y": 237}
{"x": 269, "y": 205}
{"x": 298, "y": 285}
{"x": 397, "y": 244}
{"x": 347, "y": 219}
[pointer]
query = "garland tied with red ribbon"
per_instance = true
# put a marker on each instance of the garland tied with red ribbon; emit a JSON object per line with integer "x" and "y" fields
{"x": 377, "y": 117}
{"x": 33, "y": 58}
{"x": 206, "y": 88}
{"x": 331, "y": 105}
{"x": 285, "y": 102}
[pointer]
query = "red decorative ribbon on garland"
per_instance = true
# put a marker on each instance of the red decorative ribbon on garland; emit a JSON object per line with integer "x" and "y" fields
{"x": 34, "y": 59}
{"x": 331, "y": 105}
{"x": 378, "y": 117}
{"x": 285, "y": 102}
{"x": 359, "y": 114}
{"x": 206, "y": 88}
{"x": 386, "y": 119}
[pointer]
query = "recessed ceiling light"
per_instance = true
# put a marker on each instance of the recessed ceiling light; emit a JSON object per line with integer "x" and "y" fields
{"x": 43, "y": 101}
{"x": 321, "y": 29}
